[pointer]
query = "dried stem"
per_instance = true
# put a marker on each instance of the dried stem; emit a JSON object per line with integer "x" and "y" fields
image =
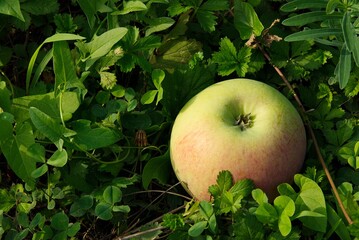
{"x": 312, "y": 135}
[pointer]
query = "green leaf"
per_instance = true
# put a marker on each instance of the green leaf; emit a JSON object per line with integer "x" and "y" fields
{"x": 112, "y": 195}
{"x": 38, "y": 172}
{"x": 54, "y": 38}
{"x": 175, "y": 53}
{"x": 285, "y": 207}
{"x": 310, "y": 17}
{"x": 64, "y": 68}
{"x": 88, "y": 138}
{"x": 303, "y": 4}
{"x": 246, "y": 20}
{"x": 47, "y": 126}
{"x": 90, "y": 8}
{"x": 310, "y": 204}
{"x": 248, "y": 228}
{"x": 159, "y": 24}
{"x": 7, "y": 201}
{"x": 12, "y": 8}
{"x": 343, "y": 68}
{"x": 337, "y": 223}
{"x": 350, "y": 37}
{"x": 15, "y": 149}
{"x": 229, "y": 60}
{"x": 131, "y": 6}
{"x": 313, "y": 34}
{"x": 103, "y": 211}
{"x": 196, "y": 229}
{"x": 73, "y": 229}
{"x": 58, "y": 159}
{"x": 242, "y": 187}
{"x": 223, "y": 183}
{"x": 40, "y": 8}
{"x": 206, "y": 209}
{"x": 149, "y": 97}
{"x": 122, "y": 208}
{"x": 81, "y": 205}
{"x": 259, "y": 196}
{"x": 60, "y": 221}
{"x": 266, "y": 213}
{"x": 156, "y": 168}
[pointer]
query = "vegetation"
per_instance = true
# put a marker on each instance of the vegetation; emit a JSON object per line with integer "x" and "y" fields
{"x": 89, "y": 90}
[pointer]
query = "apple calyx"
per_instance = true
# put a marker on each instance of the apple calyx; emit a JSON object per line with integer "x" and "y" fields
{"x": 245, "y": 121}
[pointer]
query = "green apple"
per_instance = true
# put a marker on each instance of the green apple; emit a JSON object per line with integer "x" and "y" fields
{"x": 240, "y": 125}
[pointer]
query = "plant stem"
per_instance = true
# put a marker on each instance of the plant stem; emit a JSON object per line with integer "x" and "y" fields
{"x": 312, "y": 135}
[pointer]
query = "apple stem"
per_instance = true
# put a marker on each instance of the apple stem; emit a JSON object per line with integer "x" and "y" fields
{"x": 245, "y": 121}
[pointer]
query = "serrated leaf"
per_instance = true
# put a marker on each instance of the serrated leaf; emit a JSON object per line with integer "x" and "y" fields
{"x": 242, "y": 187}
{"x": 246, "y": 20}
{"x": 12, "y": 8}
{"x": 207, "y": 20}
{"x": 229, "y": 60}
{"x": 224, "y": 181}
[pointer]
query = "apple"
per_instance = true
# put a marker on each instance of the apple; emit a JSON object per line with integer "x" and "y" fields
{"x": 241, "y": 125}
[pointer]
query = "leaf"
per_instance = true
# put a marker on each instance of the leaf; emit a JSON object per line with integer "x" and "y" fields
{"x": 64, "y": 68}
{"x": 248, "y": 228}
{"x": 149, "y": 97}
{"x": 286, "y": 208}
{"x": 313, "y": 34}
{"x": 350, "y": 37}
{"x": 81, "y": 205}
{"x": 196, "y": 229}
{"x": 303, "y": 4}
{"x": 156, "y": 168}
{"x": 88, "y": 138}
{"x": 122, "y": 208}
{"x": 73, "y": 229}
{"x": 15, "y": 149}
{"x": 58, "y": 159}
{"x": 246, "y": 20}
{"x": 159, "y": 24}
{"x": 101, "y": 45}
{"x": 310, "y": 204}
{"x": 38, "y": 172}
{"x": 12, "y": 8}
{"x": 266, "y": 213}
{"x": 40, "y": 8}
{"x": 310, "y": 17}
{"x": 175, "y": 53}
{"x": 343, "y": 68}
{"x": 223, "y": 183}
{"x": 229, "y": 60}
{"x": 60, "y": 221}
{"x": 47, "y": 126}
{"x": 337, "y": 223}
{"x": 54, "y": 38}
{"x": 112, "y": 195}
{"x": 5, "y": 55}
{"x": 103, "y": 211}
{"x": 131, "y": 6}
{"x": 242, "y": 187}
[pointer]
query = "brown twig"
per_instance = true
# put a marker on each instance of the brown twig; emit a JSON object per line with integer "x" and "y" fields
{"x": 311, "y": 133}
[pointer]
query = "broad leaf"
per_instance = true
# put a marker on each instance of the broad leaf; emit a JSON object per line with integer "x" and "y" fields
{"x": 303, "y": 4}
{"x": 156, "y": 168}
{"x": 310, "y": 204}
{"x": 246, "y": 20}
{"x": 112, "y": 195}
{"x": 58, "y": 158}
{"x": 15, "y": 149}
{"x": 12, "y": 8}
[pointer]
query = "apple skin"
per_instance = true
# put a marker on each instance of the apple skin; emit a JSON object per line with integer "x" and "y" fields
{"x": 206, "y": 138}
